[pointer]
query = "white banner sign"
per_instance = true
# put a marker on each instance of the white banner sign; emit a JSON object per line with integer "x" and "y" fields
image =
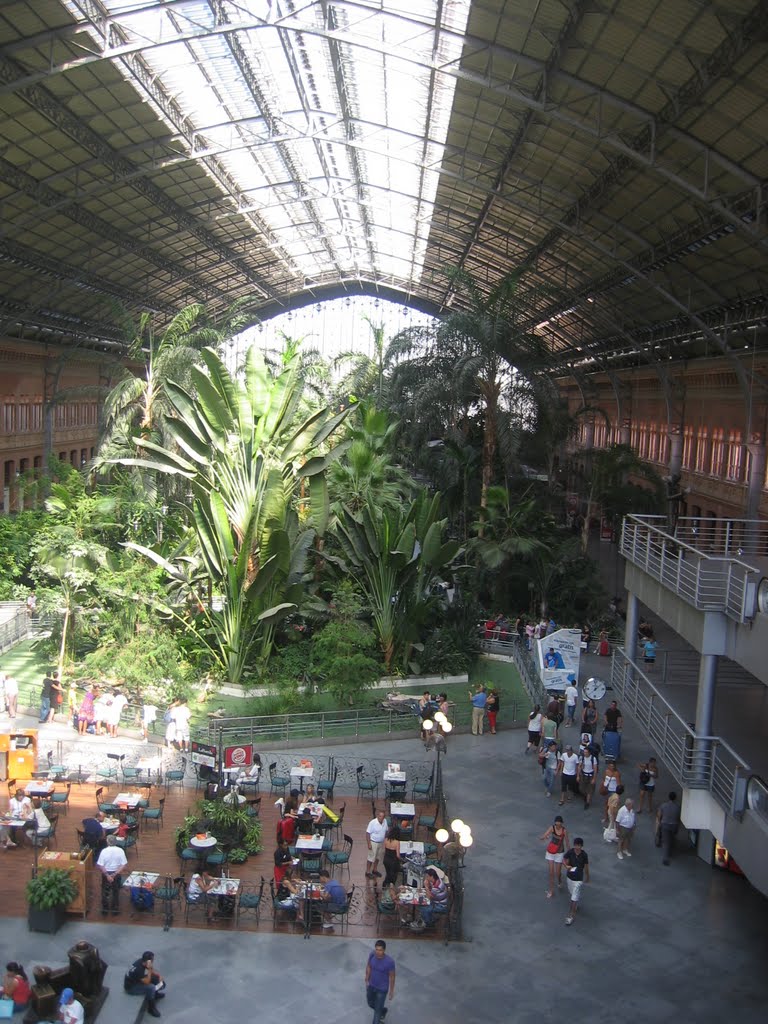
{"x": 557, "y": 657}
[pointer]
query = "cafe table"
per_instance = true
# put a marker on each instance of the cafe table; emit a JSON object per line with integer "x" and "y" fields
{"x": 142, "y": 879}
{"x": 398, "y": 810}
{"x": 407, "y": 848}
{"x": 310, "y": 843}
{"x": 311, "y": 897}
{"x": 39, "y": 787}
{"x": 394, "y": 776}
{"x": 413, "y": 898}
{"x": 129, "y": 801}
{"x": 111, "y": 825}
{"x": 302, "y": 773}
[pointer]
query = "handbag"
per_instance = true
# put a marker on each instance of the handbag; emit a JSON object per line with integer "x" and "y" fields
{"x": 657, "y": 836}
{"x": 609, "y": 835}
{"x": 553, "y": 847}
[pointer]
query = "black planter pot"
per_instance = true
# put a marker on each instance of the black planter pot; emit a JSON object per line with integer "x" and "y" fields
{"x": 48, "y": 921}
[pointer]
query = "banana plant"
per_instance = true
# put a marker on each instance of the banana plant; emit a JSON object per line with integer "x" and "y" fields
{"x": 394, "y": 555}
{"x": 246, "y": 454}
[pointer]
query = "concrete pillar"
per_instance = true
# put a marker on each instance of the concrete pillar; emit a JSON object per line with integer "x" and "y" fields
{"x": 755, "y": 476}
{"x": 675, "y": 461}
{"x": 625, "y": 432}
{"x": 632, "y": 622}
{"x": 705, "y": 708}
{"x": 589, "y": 434}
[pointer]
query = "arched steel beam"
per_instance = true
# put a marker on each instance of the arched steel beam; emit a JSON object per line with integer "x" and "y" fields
{"x": 546, "y": 105}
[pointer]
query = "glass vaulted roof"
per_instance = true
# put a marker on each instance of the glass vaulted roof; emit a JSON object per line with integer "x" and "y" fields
{"x": 327, "y": 139}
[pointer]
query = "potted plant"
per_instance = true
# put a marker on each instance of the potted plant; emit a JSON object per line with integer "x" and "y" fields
{"x": 238, "y": 855}
{"x": 48, "y": 897}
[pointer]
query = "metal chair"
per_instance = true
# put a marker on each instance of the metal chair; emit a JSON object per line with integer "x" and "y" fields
{"x": 218, "y": 857}
{"x": 56, "y": 772}
{"x": 131, "y": 775}
{"x": 130, "y": 841}
{"x": 253, "y": 807}
{"x": 428, "y": 821}
{"x": 249, "y": 901}
{"x": 311, "y": 864}
{"x": 280, "y": 782}
{"x": 154, "y": 814}
{"x": 61, "y": 800}
{"x": 187, "y": 856}
{"x": 366, "y": 785}
{"x": 341, "y": 857}
{"x": 175, "y": 777}
{"x": 387, "y": 909}
{"x": 40, "y": 837}
{"x": 342, "y": 912}
{"x": 326, "y": 786}
{"x": 195, "y": 904}
{"x": 338, "y": 825}
{"x": 395, "y": 791}
{"x": 280, "y": 913}
{"x": 109, "y": 774}
{"x": 423, "y": 789}
{"x": 168, "y": 894}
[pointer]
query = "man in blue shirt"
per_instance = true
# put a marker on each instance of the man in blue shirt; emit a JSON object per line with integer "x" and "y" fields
{"x": 478, "y": 710}
{"x": 334, "y": 895}
{"x": 379, "y": 978}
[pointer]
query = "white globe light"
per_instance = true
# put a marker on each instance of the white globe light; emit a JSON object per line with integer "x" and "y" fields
{"x": 457, "y": 825}
{"x": 447, "y": 727}
{"x": 442, "y": 835}
{"x": 439, "y": 716}
{"x": 427, "y": 724}
{"x": 465, "y": 839}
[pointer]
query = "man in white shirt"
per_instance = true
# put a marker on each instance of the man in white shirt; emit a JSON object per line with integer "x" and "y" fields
{"x": 571, "y": 696}
{"x": 70, "y": 1010}
{"x": 181, "y": 716}
{"x": 111, "y": 863}
{"x": 568, "y": 764}
{"x": 19, "y": 806}
{"x": 375, "y": 835}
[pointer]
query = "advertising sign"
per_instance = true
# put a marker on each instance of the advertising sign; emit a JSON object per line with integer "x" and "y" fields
{"x": 238, "y": 757}
{"x": 557, "y": 658}
{"x": 203, "y": 753}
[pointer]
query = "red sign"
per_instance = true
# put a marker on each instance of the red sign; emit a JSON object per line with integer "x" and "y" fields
{"x": 238, "y": 757}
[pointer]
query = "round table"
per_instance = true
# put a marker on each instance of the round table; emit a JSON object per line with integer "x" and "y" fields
{"x": 110, "y": 824}
{"x": 203, "y": 844}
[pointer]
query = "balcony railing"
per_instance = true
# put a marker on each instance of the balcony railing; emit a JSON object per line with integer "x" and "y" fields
{"x": 719, "y": 583}
{"x": 15, "y": 626}
{"x": 697, "y": 762}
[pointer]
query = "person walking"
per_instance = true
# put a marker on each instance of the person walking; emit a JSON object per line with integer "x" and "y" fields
{"x": 557, "y": 836}
{"x": 534, "y": 729}
{"x": 478, "y": 701}
{"x": 141, "y": 979}
{"x": 588, "y": 769}
{"x": 571, "y": 696}
{"x": 625, "y": 827}
{"x": 649, "y": 773}
{"x": 379, "y": 980}
{"x": 45, "y": 700}
{"x": 492, "y": 706}
{"x": 668, "y": 824}
{"x": 11, "y": 696}
{"x": 577, "y": 873}
{"x": 549, "y": 765}
{"x": 568, "y": 767}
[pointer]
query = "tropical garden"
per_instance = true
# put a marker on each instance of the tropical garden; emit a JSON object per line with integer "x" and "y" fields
{"x": 308, "y": 527}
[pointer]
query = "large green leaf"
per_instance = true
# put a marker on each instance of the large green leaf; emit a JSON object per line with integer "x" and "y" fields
{"x": 273, "y": 615}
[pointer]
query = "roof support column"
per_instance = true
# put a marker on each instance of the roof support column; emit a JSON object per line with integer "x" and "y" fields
{"x": 705, "y": 706}
{"x": 755, "y": 475}
{"x": 631, "y": 624}
{"x": 625, "y": 431}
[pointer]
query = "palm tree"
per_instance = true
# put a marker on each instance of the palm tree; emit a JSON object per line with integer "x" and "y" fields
{"x": 472, "y": 360}
{"x": 138, "y": 402}
{"x": 245, "y": 454}
{"x": 364, "y": 376}
{"x": 610, "y": 486}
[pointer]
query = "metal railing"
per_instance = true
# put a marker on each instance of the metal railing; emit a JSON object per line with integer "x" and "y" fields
{"x": 734, "y": 538}
{"x": 523, "y": 661}
{"x": 708, "y": 582}
{"x": 14, "y": 628}
{"x": 697, "y": 762}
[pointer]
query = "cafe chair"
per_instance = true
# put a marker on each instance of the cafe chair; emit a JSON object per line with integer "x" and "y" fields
{"x": 175, "y": 777}
{"x": 154, "y": 814}
{"x": 428, "y": 821}
{"x": 253, "y": 807}
{"x": 342, "y": 912}
{"x": 44, "y": 836}
{"x": 61, "y": 800}
{"x": 130, "y": 841}
{"x": 423, "y": 789}
{"x": 276, "y": 782}
{"x": 170, "y": 893}
{"x": 56, "y": 772}
{"x": 105, "y": 808}
{"x": 187, "y": 856}
{"x": 340, "y": 857}
{"x": 387, "y": 909}
{"x": 338, "y": 825}
{"x": 310, "y": 864}
{"x": 395, "y": 791}
{"x": 109, "y": 774}
{"x": 326, "y": 786}
{"x": 218, "y": 857}
{"x": 280, "y": 913}
{"x": 366, "y": 785}
{"x": 131, "y": 775}
{"x": 249, "y": 901}
{"x": 198, "y": 905}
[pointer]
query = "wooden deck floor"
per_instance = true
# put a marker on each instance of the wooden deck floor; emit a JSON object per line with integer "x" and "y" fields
{"x": 156, "y": 852}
